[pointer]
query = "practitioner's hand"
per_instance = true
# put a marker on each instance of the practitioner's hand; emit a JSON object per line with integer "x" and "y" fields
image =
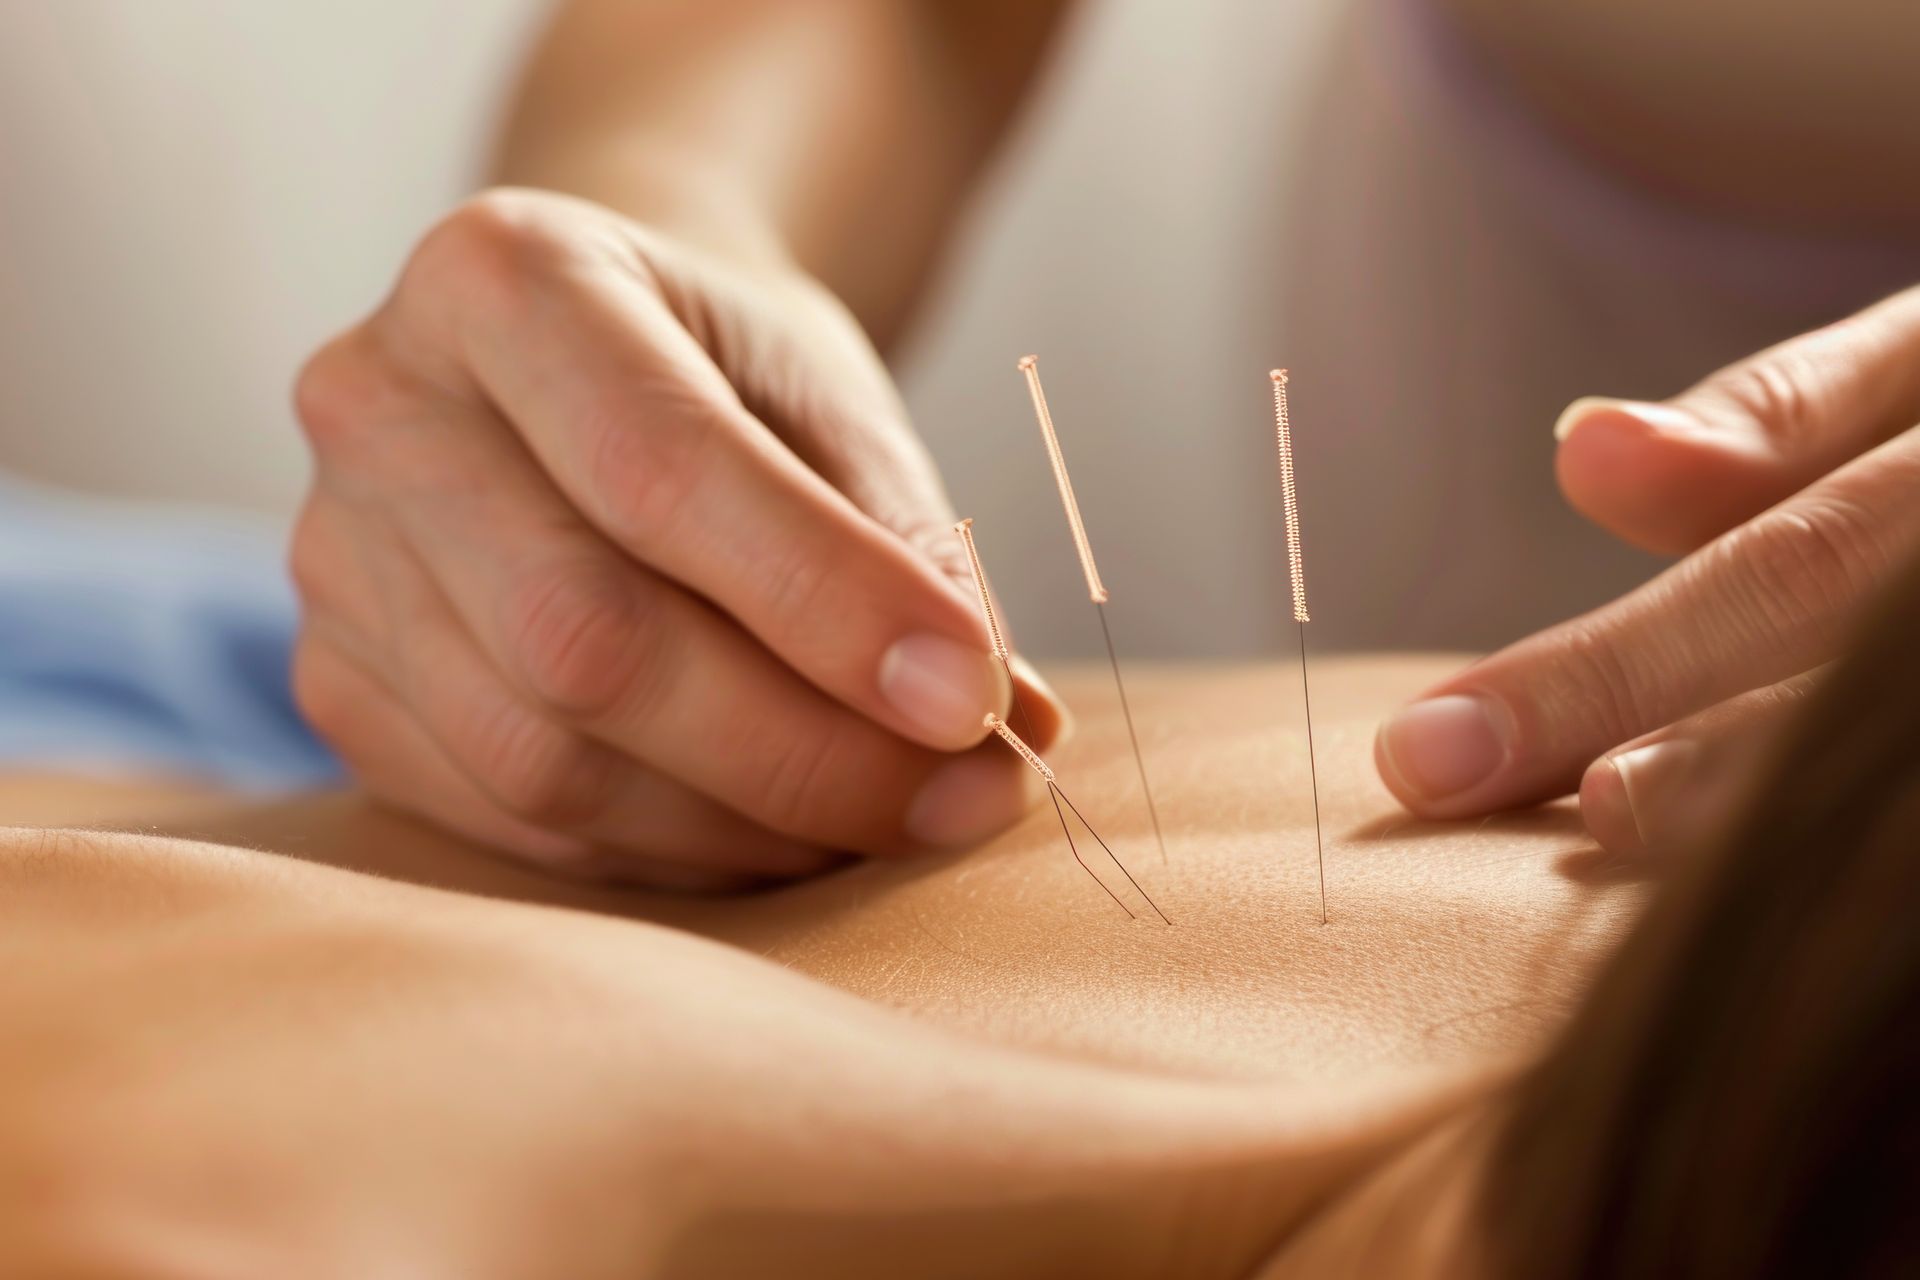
{"x": 624, "y": 558}
{"x": 1793, "y": 480}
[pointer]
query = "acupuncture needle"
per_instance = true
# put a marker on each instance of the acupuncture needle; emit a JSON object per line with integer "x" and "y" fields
{"x": 1296, "y": 573}
{"x": 965, "y": 529}
{"x": 999, "y": 641}
{"x": 1059, "y": 796}
{"x": 1096, "y": 591}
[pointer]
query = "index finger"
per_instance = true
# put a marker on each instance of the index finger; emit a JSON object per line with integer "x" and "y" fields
{"x": 1670, "y": 476}
{"x": 1772, "y": 598}
{"x": 636, "y": 425}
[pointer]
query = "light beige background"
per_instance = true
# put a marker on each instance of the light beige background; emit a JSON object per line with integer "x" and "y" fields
{"x": 195, "y": 193}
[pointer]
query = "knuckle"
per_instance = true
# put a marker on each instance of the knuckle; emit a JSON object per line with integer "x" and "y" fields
{"x": 540, "y": 772}
{"x": 797, "y": 794}
{"x": 1801, "y": 562}
{"x": 793, "y": 589}
{"x": 487, "y": 248}
{"x": 339, "y": 393}
{"x": 946, "y": 555}
{"x": 322, "y": 566}
{"x": 648, "y": 470}
{"x": 1598, "y": 690}
{"x": 323, "y": 696}
{"x": 310, "y": 562}
{"x": 337, "y": 581}
{"x": 590, "y": 642}
{"x": 1782, "y": 390}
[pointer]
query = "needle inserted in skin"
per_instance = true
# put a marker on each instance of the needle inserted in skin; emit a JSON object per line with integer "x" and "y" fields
{"x": 1283, "y": 433}
{"x": 1096, "y": 590}
{"x": 1058, "y": 796}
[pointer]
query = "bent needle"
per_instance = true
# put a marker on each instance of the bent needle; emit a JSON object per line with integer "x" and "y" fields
{"x": 1096, "y": 590}
{"x": 1057, "y": 795}
{"x": 1283, "y": 433}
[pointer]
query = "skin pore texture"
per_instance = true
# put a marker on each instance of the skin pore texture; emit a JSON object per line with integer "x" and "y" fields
{"x": 1246, "y": 1092}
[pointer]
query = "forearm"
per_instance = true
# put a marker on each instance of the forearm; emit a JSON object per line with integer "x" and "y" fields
{"x": 837, "y": 136}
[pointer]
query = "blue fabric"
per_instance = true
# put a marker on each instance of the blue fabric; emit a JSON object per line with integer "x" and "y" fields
{"x": 148, "y": 637}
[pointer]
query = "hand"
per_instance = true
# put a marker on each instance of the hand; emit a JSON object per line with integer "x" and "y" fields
{"x": 1793, "y": 479}
{"x": 624, "y": 558}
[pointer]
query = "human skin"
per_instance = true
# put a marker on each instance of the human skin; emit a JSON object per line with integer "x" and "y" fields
{"x": 497, "y": 562}
{"x": 616, "y": 517}
{"x": 1788, "y": 483}
{"x": 1462, "y": 927}
{"x": 1247, "y": 1089}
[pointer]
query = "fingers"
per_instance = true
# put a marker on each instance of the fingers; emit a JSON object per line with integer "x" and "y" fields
{"x": 543, "y": 789}
{"x": 610, "y": 600}
{"x": 826, "y": 390}
{"x": 577, "y": 647}
{"x": 1758, "y": 454}
{"x": 643, "y": 434}
{"x": 1666, "y": 789}
{"x": 404, "y": 766}
{"x": 1669, "y": 477}
{"x": 549, "y": 774}
{"x": 1769, "y": 599}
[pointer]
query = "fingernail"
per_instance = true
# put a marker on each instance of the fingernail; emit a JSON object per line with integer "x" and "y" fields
{"x": 1652, "y": 778}
{"x": 1443, "y": 746}
{"x": 942, "y": 687}
{"x": 1571, "y": 415}
{"x": 971, "y": 798}
{"x": 1661, "y": 418}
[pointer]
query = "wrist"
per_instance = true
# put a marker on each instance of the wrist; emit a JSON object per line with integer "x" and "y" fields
{"x": 670, "y": 188}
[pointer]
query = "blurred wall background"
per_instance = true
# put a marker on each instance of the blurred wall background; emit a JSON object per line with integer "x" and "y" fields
{"x": 197, "y": 192}
{"x": 193, "y": 194}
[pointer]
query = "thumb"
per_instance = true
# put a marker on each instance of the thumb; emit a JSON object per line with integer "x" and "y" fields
{"x": 878, "y": 461}
{"x": 837, "y": 408}
{"x": 1672, "y": 476}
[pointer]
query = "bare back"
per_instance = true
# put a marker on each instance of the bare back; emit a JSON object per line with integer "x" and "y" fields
{"x": 1445, "y": 944}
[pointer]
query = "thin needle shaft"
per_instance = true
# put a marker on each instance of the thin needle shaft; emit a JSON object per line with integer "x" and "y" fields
{"x": 1116, "y": 862}
{"x": 1056, "y": 795}
{"x": 1313, "y": 772}
{"x": 1139, "y": 760}
{"x": 1297, "y": 576}
{"x": 1029, "y": 367}
{"x": 1039, "y": 766}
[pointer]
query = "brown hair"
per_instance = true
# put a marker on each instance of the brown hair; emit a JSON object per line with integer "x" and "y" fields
{"x": 1740, "y": 1093}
